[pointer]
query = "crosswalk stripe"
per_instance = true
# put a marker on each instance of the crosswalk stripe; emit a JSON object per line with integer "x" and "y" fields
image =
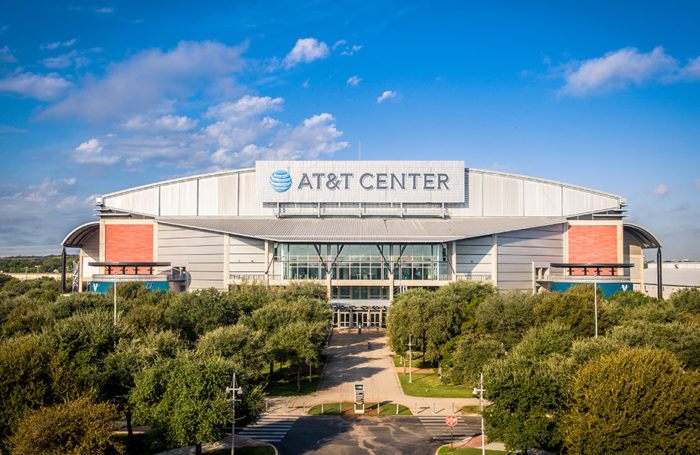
{"x": 269, "y": 428}
{"x": 438, "y": 428}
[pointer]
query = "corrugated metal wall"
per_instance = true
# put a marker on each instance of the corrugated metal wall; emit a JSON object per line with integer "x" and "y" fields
{"x": 474, "y": 256}
{"x": 200, "y": 251}
{"x": 247, "y": 256}
{"x": 518, "y": 249}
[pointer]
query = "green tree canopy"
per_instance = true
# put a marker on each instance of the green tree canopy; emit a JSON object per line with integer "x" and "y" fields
{"x": 471, "y": 356}
{"x": 78, "y": 427}
{"x": 527, "y": 397}
{"x": 541, "y": 342}
{"x": 195, "y": 313}
{"x": 686, "y": 300}
{"x": 244, "y": 347}
{"x": 634, "y": 401}
{"x": 575, "y": 308}
{"x": 506, "y": 316}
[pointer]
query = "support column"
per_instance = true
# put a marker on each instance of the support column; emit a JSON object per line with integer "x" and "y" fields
{"x": 63, "y": 270}
{"x": 337, "y": 317}
{"x": 659, "y": 275}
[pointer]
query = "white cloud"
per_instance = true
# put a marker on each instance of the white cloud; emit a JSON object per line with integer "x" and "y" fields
{"x": 306, "y": 50}
{"x": 617, "y": 70}
{"x": 6, "y": 56}
{"x": 353, "y": 81}
{"x": 680, "y": 206}
{"x": 661, "y": 190}
{"x": 90, "y": 152}
{"x": 104, "y": 10}
{"x": 66, "y": 60}
{"x": 11, "y": 129}
{"x": 339, "y": 43}
{"x": 691, "y": 71}
{"x": 47, "y": 189}
{"x": 57, "y": 44}
{"x": 162, "y": 123}
{"x": 146, "y": 79}
{"x": 697, "y": 184}
{"x": 351, "y": 50}
{"x": 41, "y": 87}
{"x": 387, "y": 95}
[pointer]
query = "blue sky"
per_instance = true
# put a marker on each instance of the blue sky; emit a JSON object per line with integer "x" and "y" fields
{"x": 97, "y": 97}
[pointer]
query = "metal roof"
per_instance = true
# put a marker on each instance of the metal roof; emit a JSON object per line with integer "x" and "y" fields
{"x": 361, "y": 230}
{"x": 78, "y": 235}
{"x": 645, "y": 238}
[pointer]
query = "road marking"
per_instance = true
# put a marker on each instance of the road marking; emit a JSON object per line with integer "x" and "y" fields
{"x": 269, "y": 428}
{"x": 439, "y": 430}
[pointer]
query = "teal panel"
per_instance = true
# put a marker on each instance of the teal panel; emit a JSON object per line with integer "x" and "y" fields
{"x": 607, "y": 288}
{"x": 104, "y": 287}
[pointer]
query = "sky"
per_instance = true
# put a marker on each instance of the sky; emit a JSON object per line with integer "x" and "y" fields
{"x": 98, "y": 97}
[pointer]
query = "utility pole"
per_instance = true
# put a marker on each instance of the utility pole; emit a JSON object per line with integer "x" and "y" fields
{"x": 410, "y": 361}
{"x": 481, "y": 401}
{"x": 233, "y": 390}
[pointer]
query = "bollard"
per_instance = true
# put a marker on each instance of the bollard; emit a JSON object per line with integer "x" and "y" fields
{"x": 434, "y": 411}
{"x": 340, "y": 408}
{"x": 379, "y": 408}
{"x": 417, "y": 408}
{"x": 265, "y": 405}
{"x": 321, "y": 408}
{"x": 397, "y": 409}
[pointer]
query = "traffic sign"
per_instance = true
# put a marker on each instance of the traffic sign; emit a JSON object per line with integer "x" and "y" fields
{"x": 451, "y": 420}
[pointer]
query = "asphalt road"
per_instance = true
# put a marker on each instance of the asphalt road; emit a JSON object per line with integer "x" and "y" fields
{"x": 362, "y": 435}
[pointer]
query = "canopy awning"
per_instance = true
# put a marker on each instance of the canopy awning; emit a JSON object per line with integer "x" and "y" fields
{"x": 78, "y": 235}
{"x": 645, "y": 238}
{"x": 361, "y": 230}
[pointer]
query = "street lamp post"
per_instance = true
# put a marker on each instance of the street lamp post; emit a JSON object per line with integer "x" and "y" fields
{"x": 410, "y": 360}
{"x": 233, "y": 390}
{"x": 595, "y": 304}
{"x": 115, "y": 301}
{"x": 480, "y": 390}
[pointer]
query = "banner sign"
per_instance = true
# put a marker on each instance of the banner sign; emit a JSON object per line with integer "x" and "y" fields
{"x": 360, "y": 181}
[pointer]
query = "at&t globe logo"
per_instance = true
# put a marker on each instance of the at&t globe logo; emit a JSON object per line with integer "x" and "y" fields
{"x": 280, "y": 181}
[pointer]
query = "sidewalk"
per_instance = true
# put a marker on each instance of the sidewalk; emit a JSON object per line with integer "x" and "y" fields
{"x": 349, "y": 363}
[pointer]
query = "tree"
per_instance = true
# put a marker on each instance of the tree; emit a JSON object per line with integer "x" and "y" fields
{"x": 300, "y": 343}
{"x": 243, "y": 346}
{"x": 25, "y": 379}
{"x": 183, "y": 400}
{"x": 541, "y": 342}
{"x": 78, "y": 427}
{"x": 195, "y": 313}
{"x": 634, "y": 401}
{"x": 527, "y": 397}
{"x": 506, "y": 317}
{"x": 442, "y": 323}
{"x": 687, "y": 300}
{"x": 467, "y": 295}
{"x": 471, "y": 356}
{"x": 575, "y": 308}
{"x": 679, "y": 338}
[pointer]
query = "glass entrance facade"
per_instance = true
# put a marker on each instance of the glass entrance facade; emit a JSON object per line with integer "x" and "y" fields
{"x": 361, "y": 262}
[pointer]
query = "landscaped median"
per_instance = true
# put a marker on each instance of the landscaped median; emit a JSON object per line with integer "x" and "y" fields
{"x": 430, "y": 386}
{"x": 348, "y": 409}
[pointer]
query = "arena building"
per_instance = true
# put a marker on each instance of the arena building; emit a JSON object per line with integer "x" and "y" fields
{"x": 367, "y": 230}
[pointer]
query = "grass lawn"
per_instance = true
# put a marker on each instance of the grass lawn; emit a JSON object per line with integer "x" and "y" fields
{"x": 470, "y": 410}
{"x": 444, "y": 450}
{"x": 429, "y": 385}
{"x": 283, "y": 382}
{"x": 247, "y": 450}
{"x": 387, "y": 409}
{"x": 417, "y": 361}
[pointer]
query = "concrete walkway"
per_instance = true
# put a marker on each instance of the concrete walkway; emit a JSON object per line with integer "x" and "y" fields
{"x": 349, "y": 363}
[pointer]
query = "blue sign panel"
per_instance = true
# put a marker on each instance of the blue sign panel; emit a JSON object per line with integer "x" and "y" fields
{"x": 105, "y": 287}
{"x": 607, "y": 288}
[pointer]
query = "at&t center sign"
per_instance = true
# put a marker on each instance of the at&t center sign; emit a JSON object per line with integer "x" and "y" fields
{"x": 360, "y": 181}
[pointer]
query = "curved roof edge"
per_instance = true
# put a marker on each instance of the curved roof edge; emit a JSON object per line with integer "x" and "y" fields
{"x": 551, "y": 182}
{"x": 467, "y": 169}
{"x": 77, "y": 235}
{"x": 180, "y": 179}
{"x": 645, "y": 237}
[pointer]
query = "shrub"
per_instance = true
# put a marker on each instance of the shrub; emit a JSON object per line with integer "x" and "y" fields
{"x": 633, "y": 401}
{"x": 79, "y": 427}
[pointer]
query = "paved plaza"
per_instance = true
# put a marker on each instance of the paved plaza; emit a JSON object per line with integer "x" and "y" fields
{"x": 350, "y": 362}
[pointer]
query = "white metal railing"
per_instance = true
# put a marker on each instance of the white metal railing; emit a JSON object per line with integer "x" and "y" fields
{"x": 474, "y": 276}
